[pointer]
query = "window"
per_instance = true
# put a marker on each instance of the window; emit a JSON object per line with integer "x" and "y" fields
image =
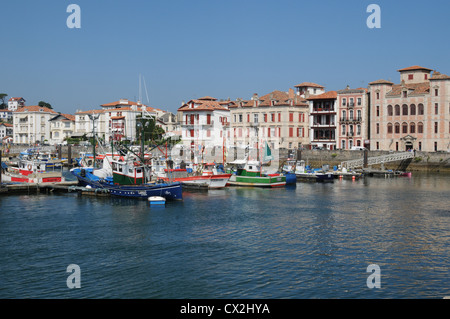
{"x": 343, "y": 129}
{"x": 272, "y": 117}
{"x": 351, "y": 102}
{"x": 436, "y": 128}
{"x": 436, "y": 92}
{"x": 412, "y": 109}
{"x": 405, "y": 94}
{"x": 248, "y": 118}
{"x": 378, "y": 145}
{"x": 378, "y": 95}
{"x": 359, "y": 115}
{"x": 389, "y": 110}
{"x": 378, "y": 111}
{"x": 412, "y": 128}
{"x": 435, "y": 146}
{"x": 404, "y": 128}
{"x": 421, "y": 109}
{"x": 404, "y": 109}
{"x": 291, "y": 117}
{"x": 397, "y": 128}
{"x": 378, "y": 128}
{"x": 265, "y": 117}
{"x": 240, "y": 118}
{"x": 255, "y": 118}
{"x": 344, "y": 115}
{"x": 410, "y": 76}
{"x": 344, "y": 102}
{"x": 397, "y": 110}
{"x": 291, "y": 132}
{"x": 279, "y": 117}
{"x": 436, "y": 108}
{"x": 420, "y": 128}
{"x": 359, "y": 101}
{"x": 389, "y": 128}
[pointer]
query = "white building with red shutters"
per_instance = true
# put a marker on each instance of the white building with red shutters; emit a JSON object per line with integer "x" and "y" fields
{"x": 204, "y": 122}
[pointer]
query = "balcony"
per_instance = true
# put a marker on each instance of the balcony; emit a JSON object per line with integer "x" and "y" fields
{"x": 324, "y": 125}
{"x": 197, "y": 123}
{"x": 320, "y": 110}
{"x": 350, "y": 119}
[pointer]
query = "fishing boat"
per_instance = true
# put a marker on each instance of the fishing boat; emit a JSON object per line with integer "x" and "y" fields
{"x": 249, "y": 173}
{"x": 34, "y": 171}
{"x": 308, "y": 175}
{"x": 213, "y": 181}
{"x": 129, "y": 178}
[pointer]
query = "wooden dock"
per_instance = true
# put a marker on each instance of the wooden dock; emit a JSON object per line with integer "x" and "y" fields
{"x": 47, "y": 188}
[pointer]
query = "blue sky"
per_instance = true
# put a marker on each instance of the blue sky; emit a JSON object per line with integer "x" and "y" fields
{"x": 225, "y": 49}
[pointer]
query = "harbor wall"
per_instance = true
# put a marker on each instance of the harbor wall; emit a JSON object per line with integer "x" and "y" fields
{"x": 422, "y": 161}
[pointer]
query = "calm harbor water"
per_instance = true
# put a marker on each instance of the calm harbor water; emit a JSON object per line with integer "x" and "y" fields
{"x": 306, "y": 241}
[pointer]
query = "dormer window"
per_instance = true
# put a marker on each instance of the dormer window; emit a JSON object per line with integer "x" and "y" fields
{"x": 405, "y": 94}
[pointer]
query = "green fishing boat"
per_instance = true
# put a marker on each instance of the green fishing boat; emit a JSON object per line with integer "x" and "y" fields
{"x": 248, "y": 173}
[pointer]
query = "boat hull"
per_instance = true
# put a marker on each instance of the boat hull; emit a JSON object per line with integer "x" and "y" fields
{"x": 170, "y": 191}
{"x": 315, "y": 177}
{"x": 209, "y": 181}
{"x": 257, "y": 181}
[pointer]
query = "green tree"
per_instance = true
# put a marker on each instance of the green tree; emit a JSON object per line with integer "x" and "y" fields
{"x": 3, "y": 105}
{"x": 150, "y": 130}
{"x": 45, "y": 104}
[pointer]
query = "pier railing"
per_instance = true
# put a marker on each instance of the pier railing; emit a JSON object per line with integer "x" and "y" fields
{"x": 377, "y": 160}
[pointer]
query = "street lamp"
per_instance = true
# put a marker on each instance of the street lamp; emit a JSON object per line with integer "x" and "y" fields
{"x": 93, "y": 118}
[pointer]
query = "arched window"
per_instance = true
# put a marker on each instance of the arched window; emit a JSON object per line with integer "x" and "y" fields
{"x": 404, "y": 109}
{"x": 412, "y": 128}
{"x": 420, "y": 109}
{"x": 397, "y": 128}
{"x": 412, "y": 109}
{"x": 405, "y": 128}
{"x": 420, "y": 128}
{"x": 397, "y": 110}
{"x": 389, "y": 128}
{"x": 389, "y": 110}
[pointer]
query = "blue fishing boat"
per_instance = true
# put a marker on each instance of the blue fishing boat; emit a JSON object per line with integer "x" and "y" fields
{"x": 168, "y": 190}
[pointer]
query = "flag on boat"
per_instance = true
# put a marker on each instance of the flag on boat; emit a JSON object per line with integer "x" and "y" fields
{"x": 267, "y": 153}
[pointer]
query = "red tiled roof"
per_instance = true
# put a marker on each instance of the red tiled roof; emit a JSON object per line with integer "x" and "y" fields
{"x": 381, "y": 82}
{"x": 203, "y": 105}
{"x": 6, "y": 124}
{"x": 438, "y": 76}
{"x": 15, "y": 98}
{"x": 325, "y": 96}
{"x": 208, "y": 98}
{"x": 309, "y": 84}
{"x": 91, "y": 112}
{"x": 34, "y": 108}
{"x": 417, "y": 88}
{"x": 121, "y": 102}
{"x": 414, "y": 67}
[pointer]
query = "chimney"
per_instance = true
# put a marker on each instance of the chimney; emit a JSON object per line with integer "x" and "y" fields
{"x": 291, "y": 93}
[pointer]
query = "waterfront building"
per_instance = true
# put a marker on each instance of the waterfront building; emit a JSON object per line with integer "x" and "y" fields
{"x": 5, "y": 115}
{"x": 322, "y": 120}
{"x": 6, "y": 130}
{"x": 62, "y": 126}
{"x": 278, "y": 118}
{"x": 116, "y": 121}
{"x": 414, "y": 114}
{"x": 168, "y": 122}
{"x": 15, "y": 103}
{"x": 31, "y": 124}
{"x": 352, "y": 118}
{"x": 204, "y": 122}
